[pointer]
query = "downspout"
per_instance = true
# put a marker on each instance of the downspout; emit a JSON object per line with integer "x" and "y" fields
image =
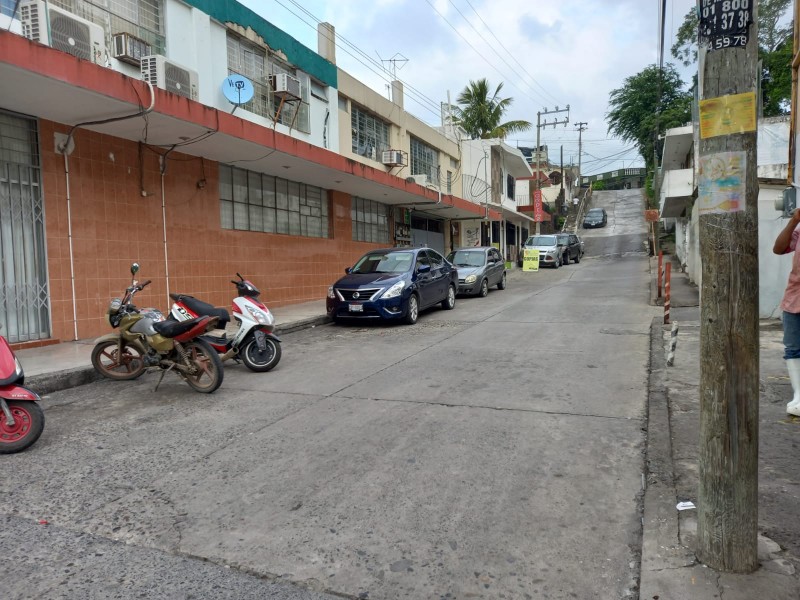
{"x": 64, "y": 148}
{"x": 163, "y": 168}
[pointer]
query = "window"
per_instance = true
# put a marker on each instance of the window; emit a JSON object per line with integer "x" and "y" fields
{"x": 509, "y": 186}
{"x": 370, "y": 221}
{"x": 370, "y": 134}
{"x": 252, "y": 61}
{"x": 255, "y": 202}
{"x": 449, "y": 182}
{"x": 424, "y": 160}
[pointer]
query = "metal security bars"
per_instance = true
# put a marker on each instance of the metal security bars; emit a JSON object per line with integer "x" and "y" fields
{"x": 24, "y": 295}
{"x": 370, "y": 134}
{"x": 370, "y": 221}
{"x": 425, "y": 161}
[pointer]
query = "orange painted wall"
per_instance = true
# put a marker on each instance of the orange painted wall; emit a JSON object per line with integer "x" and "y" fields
{"x": 113, "y": 225}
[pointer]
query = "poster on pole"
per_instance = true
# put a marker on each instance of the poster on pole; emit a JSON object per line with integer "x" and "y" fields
{"x": 721, "y": 187}
{"x": 530, "y": 260}
{"x": 538, "y": 209}
{"x": 726, "y": 115}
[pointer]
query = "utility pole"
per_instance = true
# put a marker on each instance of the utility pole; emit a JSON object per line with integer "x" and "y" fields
{"x": 581, "y": 127}
{"x": 727, "y": 518}
{"x": 538, "y": 193}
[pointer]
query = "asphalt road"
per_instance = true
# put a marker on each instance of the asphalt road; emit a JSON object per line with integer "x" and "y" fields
{"x": 492, "y": 451}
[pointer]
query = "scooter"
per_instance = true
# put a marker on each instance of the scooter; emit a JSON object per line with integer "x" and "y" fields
{"x": 254, "y": 342}
{"x": 21, "y": 416}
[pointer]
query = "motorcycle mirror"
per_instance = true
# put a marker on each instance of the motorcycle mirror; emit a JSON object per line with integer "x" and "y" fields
{"x": 134, "y": 268}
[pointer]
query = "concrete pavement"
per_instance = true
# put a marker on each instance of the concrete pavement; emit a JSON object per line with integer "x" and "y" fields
{"x": 669, "y": 568}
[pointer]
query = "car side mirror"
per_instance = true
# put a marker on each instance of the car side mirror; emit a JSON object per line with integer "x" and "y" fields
{"x": 424, "y": 269}
{"x": 348, "y": 270}
{"x": 134, "y": 268}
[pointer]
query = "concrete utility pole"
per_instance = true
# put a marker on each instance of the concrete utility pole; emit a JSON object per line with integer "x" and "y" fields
{"x": 539, "y": 125}
{"x": 727, "y": 515}
{"x": 581, "y": 127}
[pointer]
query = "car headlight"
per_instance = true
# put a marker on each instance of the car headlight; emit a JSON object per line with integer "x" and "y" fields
{"x": 395, "y": 290}
{"x": 331, "y": 293}
{"x": 470, "y": 279}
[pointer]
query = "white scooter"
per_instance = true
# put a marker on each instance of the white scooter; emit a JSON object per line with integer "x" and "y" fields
{"x": 254, "y": 342}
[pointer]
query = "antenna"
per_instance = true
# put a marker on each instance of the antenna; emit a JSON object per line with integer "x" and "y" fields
{"x": 397, "y": 58}
{"x": 237, "y": 90}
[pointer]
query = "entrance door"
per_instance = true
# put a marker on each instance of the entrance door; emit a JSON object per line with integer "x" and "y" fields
{"x": 24, "y": 297}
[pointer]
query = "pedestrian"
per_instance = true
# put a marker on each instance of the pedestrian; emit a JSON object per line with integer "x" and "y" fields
{"x": 785, "y": 243}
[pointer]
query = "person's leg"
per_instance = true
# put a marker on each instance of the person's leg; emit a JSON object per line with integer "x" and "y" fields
{"x": 791, "y": 342}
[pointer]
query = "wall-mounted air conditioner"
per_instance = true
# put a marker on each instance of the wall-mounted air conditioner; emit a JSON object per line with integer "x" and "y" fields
{"x": 393, "y": 158}
{"x": 422, "y": 180}
{"x": 167, "y": 75}
{"x": 285, "y": 86}
{"x": 68, "y": 33}
{"x": 129, "y": 49}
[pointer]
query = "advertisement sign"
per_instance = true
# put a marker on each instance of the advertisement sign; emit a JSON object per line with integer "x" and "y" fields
{"x": 726, "y": 115}
{"x": 538, "y": 209}
{"x": 651, "y": 215}
{"x": 530, "y": 260}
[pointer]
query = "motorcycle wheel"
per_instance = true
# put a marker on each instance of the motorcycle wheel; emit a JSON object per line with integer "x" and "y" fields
{"x": 209, "y": 366}
{"x": 28, "y": 426}
{"x": 105, "y": 361}
{"x": 258, "y": 361}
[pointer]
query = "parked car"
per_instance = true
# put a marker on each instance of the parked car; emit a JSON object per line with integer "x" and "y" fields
{"x": 571, "y": 246}
{"x": 479, "y": 269}
{"x": 396, "y": 283}
{"x": 596, "y": 217}
{"x": 550, "y": 253}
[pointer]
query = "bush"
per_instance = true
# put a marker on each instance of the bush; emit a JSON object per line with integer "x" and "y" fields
{"x": 599, "y": 185}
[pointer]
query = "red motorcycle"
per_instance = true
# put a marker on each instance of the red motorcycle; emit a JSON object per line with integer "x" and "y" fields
{"x": 21, "y": 417}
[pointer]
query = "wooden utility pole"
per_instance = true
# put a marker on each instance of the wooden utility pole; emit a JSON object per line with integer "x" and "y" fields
{"x": 729, "y": 362}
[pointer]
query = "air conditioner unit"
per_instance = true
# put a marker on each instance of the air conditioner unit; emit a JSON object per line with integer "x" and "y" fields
{"x": 167, "y": 75}
{"x": 422, "y": 180}
{"x": 393, "y": 158}
{"x": 285, "y": 86}
{"x": 129, "y": 49}
{"x": 68, "y": 33}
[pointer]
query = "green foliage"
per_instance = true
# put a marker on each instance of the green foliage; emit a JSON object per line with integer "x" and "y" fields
{"x": 598, "y": 186}
{"x": 480, "y": 112}
{"x": 636, "y": 108}
{"x": 774, "y": 46}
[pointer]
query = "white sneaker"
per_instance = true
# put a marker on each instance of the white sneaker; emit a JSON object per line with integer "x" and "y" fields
{"x": 793, "y": 409}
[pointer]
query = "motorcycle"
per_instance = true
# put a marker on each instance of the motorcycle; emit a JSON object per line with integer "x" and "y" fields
{"x": 254, "y": 342}
{"x": 147, "y": 340}
{"x": 21, "y": 416}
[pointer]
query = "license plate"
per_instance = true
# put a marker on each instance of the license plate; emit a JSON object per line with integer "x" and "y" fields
{"x": 356, "y": 308}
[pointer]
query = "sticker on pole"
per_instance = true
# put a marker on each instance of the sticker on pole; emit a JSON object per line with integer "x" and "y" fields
{"x": 725, "y": 23}
{"x": 726, "y": 115}
{"x": 530, "y": 260}
{"x": 721, "y": 188}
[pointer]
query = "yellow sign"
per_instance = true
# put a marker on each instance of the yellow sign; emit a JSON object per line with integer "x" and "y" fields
{"x": 530, "y": 260}
{"x": 728, "y": 114}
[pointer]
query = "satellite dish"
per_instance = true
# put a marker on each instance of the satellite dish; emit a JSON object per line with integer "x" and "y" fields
{"x": 237, "y": 89}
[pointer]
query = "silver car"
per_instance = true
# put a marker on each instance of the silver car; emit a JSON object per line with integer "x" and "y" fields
{"x": 479, "y": 269}
{"x": 549, "y": 250}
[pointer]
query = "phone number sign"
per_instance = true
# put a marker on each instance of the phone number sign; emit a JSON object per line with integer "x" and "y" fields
{"x": 725, "y": 23}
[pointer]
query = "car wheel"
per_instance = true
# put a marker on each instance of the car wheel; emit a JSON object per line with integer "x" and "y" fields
{"x": 501, "y": 285}
{"x": 484, "y": 291}
{"x": 578, "y": 257}
{"x": 557, "y": 263}
{"x": 566, "y": 259}
{"x": 412, "y": 314}
{"x": 450, "y": 301}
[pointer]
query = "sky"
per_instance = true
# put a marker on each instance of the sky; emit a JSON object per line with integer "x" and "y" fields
{"x": 546, "y": 53}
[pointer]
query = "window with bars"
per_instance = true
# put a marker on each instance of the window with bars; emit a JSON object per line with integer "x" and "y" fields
{"x": 144, "y": 19}
{"x": 253, "y": 201}
{"x": 370, "y": 134}
{"x": 424, "y": 160}
{"x": 370, "y": 221}
{"x": 252, "y": 61}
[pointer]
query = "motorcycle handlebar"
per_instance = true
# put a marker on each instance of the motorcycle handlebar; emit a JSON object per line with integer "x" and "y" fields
{"x": 144, "y": 284}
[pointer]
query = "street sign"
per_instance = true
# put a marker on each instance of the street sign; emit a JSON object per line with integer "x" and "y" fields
{"x": 651, "y": 215}
{"x": 530, "y": 260}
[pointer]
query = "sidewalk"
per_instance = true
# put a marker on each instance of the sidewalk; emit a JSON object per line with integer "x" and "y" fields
{"x": 62, "y": 366}
{"x": 670, "y": 570}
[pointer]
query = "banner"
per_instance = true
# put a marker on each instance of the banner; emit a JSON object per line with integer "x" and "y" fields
{"x": 530, "y": 260}
{"x": 538, "y": 209}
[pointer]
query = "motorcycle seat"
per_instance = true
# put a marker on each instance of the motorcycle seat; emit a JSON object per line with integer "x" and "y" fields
{"x": 170, "y": 329}
{"x": 203, "y": 308}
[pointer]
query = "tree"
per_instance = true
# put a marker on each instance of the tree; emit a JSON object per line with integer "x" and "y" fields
{"x": 774, "y": 50}
{"x": 636, "y": 107}
{"x": 481, "y": 114}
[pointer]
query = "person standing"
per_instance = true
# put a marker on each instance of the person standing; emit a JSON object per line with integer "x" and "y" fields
{"x": 785, "y": 243}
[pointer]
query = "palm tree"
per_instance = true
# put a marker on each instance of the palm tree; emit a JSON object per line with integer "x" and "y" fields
{"x": 480, "y": 114}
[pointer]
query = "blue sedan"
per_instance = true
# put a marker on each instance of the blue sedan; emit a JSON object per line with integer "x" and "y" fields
{"x": 396, "y": 283}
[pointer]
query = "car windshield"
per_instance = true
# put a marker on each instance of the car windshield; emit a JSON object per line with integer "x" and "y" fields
{"x": 467, "y": 258}
{"x": 563, "y": 239}
{"x": 595, "y": 212}
{"x": 385, "y": 262}
{"x": 541, "y": 240}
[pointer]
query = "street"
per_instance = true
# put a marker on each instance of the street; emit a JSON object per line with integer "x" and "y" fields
{"x": 492, "y": 451}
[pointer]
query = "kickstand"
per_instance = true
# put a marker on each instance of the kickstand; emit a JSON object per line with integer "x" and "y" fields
{"x": 160, "y": 379}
